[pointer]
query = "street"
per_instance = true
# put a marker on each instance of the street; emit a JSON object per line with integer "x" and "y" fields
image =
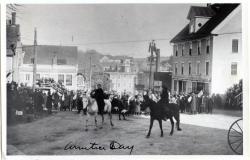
{"x": 54, "y": 134}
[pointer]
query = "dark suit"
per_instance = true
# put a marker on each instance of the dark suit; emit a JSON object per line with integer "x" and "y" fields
{"x": 99, "y": 96}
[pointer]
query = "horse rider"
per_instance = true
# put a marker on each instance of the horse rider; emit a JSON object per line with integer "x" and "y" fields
{"x": 99, "y": 96}
{"x": 164, "y": 101}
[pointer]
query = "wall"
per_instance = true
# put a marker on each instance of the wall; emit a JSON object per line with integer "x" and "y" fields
{"x": 222, "y": 60}
{"x": 223, "y": 55}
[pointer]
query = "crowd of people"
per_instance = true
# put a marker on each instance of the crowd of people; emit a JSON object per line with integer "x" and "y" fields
{"x": 20, "y": 98}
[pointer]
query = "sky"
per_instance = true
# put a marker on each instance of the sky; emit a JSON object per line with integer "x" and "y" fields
{"x": 115, "y": 29}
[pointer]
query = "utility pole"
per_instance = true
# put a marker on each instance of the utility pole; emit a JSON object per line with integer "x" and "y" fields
{"x": 35, "y": 61}
{"x": 152, "y": 49}
{"x": 90, "y": 74}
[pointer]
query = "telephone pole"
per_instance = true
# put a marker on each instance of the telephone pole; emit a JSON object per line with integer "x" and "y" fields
{"x": 90, "y": 74}
{"x": 35, "y": 60}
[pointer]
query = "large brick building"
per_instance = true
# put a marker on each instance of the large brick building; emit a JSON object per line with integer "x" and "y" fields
{"x": 207, "y": 52}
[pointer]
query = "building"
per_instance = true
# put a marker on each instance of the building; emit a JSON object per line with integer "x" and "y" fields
{"x": 207, "y": 52}
{"x": 14, "y": 49}
{"x": 123, "y": 81}
{"x": 53, "y": 62}
{"x": 117, "y": 63}
{"x": 119, "y": 74}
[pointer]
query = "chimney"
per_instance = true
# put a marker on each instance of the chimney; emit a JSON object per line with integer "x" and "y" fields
{"x": 13, "y": 18}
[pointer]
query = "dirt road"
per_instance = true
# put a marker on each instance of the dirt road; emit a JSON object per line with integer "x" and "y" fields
{"x": 54, "y": 135}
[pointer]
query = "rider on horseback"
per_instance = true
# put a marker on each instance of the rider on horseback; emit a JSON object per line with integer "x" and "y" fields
{"x": 164, "y": 101}
{"x": 98, "y": 94}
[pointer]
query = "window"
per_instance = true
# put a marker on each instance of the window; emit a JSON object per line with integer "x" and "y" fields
{"x": 182, "y": 68}
{"x": 199, "y": 47}
{"x": 175, "y": 85}
{"x": 60, "y": 78}
{"x": 32, "y": 60}
{"x": 207, "y": 68}
{"x": 69, "y": 80}
{"x": 234, "y": 69}
{"x": 198, "y": 68}
{"x": 191, "y": 26}
{"x": 176, "y": 71}
{"x": 194, "y": 86}
{"x": 61, "y": 61}
{"x": 189, "y": 68}
{"x": 27, "y": 77}
{"x": 190, "y": 49}
{"x": 235, "y": 44}
{"x": 208, "y": 46}
{"x": 182, "y": 50}
{"x": 184, "y": 86}
{"x": 176, "y": 51}
{"x": 37, "y": 76}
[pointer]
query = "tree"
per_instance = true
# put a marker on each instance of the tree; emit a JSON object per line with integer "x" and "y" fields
{"x": 232, "y": 95}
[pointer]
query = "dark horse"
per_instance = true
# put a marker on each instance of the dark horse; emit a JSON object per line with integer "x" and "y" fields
{"x": 159, "y": 112}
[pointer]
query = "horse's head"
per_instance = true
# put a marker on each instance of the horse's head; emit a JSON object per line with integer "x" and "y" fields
{"x": 148, "y": 102}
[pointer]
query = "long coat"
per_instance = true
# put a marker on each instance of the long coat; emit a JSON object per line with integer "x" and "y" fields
{"x": 99, "y": 96}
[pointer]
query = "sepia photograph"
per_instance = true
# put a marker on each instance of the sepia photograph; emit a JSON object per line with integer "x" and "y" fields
{"x": 124, "y": 79}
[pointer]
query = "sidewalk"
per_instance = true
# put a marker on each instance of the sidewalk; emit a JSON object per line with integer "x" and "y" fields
{"x": 207, "y": 120}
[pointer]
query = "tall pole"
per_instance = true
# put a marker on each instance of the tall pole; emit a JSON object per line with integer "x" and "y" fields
{"x": 35, "y": 61}
{"x": 150, "y": 69}
{"x": 90, "y": 74}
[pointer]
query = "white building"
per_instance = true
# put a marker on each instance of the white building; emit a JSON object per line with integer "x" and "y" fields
{"x": 123, "y": 81}
{"x": 56, "y": 62}
{"x": 207, "y": 52}
{"x": 227, "y": 64}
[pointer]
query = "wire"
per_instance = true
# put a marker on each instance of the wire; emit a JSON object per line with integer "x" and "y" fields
{"x": 101, "y": 43}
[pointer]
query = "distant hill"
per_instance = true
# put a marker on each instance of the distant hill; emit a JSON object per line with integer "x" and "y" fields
{"x": 84, "y": 61}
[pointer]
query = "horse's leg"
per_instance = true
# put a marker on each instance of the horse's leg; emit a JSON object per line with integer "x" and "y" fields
{"x": 110, "y": 118}
{"x": 177, "y": 118}
{"x": 150, "y": 127}
{"x": 86, "y": 124}
{"x": 102, "y": 118}
{"x": 160, "y": 124}
{"x": 119, "y": 114}
{"x": 172, "y": 126}
{"x": 95, "y": 122}
{"x": 123, "y": 114}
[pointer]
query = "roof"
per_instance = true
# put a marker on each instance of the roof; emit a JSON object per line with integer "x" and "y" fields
{"x": 221, "y": 12}
{"x": 197, "y": 11}
{"x": 45, "y": 54}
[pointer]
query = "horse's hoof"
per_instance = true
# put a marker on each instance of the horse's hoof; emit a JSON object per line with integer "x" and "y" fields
{"x": 112, "y": 125}
{"x": 100, "y": 127}
{"x": 171, "y": 134}
{"x": 147, "y": 136}
{"x": 95, "y": 129}
{"x": 86, "y": 130}
{"x": 119, "y": 119}
{"x": 162, "y": 135}
{"x": 179, "y": 129}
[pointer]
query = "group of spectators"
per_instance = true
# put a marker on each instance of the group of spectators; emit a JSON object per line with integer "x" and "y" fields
{"x": 194, "y": 103}
{"x": 43, "y": 101}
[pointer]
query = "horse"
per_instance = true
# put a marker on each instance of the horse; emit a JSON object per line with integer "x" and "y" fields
{"x": 159, "y": 113}
{"x": 92, "y": 110}
{"x": 118, "y": 107}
